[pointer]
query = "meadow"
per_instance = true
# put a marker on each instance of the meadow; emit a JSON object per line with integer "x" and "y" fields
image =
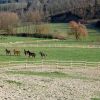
{"x": 54, "y": 53}
{"x": 45, "y": 81}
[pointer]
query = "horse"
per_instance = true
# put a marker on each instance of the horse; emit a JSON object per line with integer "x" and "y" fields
{"x": 26, "y": 52}
{"x": 8, "y": 52}
{"x": 16, "y": 52}
{"x": 31, "y": 54}
{"x": 43, "y": 55}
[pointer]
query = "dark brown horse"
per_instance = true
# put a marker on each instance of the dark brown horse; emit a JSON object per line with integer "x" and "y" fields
{"x": 16, "y": 52}
{"x": 43, "y": 55}
{"x": 26, "y": 52}
{"x": 31, "y": 54}
{"x": 8, "y": 52}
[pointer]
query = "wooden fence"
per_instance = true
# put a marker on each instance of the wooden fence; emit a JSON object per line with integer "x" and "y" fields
{"x": 55, "y": 63}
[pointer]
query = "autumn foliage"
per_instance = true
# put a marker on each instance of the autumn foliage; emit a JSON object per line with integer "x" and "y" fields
{"x": 42, "y": 29}
{"x": 78, "y": 29}
{"x": 8, "y": 20}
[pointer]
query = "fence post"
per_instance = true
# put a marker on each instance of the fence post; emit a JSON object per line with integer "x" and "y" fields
{"x": 56, "y": 64}
{"x": 37, "y": 43}
{"x": 42, "y": 63}
{"x": 9, "y": 64}
{"x": 71, "y": 63}
{"x": 98, "y": 64}
{"x": 85, "y": 64}
{"x": 26, "y": 64}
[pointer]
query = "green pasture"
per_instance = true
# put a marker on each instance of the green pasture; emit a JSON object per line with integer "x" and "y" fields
{"x": 65, "y": 53}
{"x": 75, "y": 54}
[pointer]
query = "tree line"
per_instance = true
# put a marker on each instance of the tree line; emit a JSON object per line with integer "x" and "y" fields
{"x": 83, "y": 8}
{"x": 9, "y": 21}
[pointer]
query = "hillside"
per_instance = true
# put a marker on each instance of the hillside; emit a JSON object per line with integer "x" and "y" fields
{"x": 60, "y": 9}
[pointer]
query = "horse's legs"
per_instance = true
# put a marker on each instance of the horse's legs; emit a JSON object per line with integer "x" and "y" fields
{"x": 34, "y": 56}
{"x": 10, "y": 53}
{"x": 14, "y": 53}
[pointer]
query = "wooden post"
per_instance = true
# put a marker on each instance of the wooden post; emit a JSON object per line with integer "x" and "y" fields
{"x": 71, "y": 63}
{"x": 42, "y": 63}
{"x": 26, "y": 64}
{"x": 85, "y": 64}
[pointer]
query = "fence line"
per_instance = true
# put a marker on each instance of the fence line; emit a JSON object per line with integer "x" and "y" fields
{"x": 55, "y": 63}
{"x": 48, "y": 45}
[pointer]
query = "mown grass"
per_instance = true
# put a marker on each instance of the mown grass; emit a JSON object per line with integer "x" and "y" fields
{"x": 95, "y": 99}
{"x": 75, "y": 54}
{"x": 54, "y": 74}
{"x": 13, "y": 82}
{"x": 44, "y": 74}
{"x": 9, "y": 39}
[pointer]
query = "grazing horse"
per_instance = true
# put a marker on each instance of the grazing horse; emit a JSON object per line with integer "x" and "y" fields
{"x": 43, "y": 55}
{"x": 26, "y": 52}
{"x": 31, "y": 54}
{"x": 8, "y": 52}
{"x": 16, "y": 52}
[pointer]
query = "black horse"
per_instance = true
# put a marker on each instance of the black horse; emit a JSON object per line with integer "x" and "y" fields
{"x": 43, "y": 55}
{"x": 26, "y": 52}
{"x": 8, "y": 52}
{"x": 31, "y": 54}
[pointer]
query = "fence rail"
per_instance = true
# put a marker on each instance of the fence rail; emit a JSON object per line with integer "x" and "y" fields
{"x": 55, "y": 63}
{"x": 48, "y": 45}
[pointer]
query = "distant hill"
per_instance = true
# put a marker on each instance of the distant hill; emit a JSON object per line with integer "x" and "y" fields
{"x": 60, "y": 10}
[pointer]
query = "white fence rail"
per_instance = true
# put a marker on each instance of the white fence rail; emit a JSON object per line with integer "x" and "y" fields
{"x": 47, "y": 45}
{"x": 55, "y": 63}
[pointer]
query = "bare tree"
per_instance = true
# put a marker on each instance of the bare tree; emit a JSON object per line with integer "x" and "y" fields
{"x": 34, "y": 17}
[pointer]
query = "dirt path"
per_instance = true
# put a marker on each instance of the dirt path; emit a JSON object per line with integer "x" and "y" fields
{"x": 79, "y": 84}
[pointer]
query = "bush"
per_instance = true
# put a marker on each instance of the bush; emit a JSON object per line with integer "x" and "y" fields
{"x": 8, "y": 20}
{"x": 36, "y": 35}
{"x": 60, "y": 36}
{"x": 42, "y": 29}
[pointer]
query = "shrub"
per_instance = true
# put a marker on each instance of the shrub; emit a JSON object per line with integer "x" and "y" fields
{"x": 78, "y": 29}
{"x": 8, "y": 20}
{"x": 42, "y": 29}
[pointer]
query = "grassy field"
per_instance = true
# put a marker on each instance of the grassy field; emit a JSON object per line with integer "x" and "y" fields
{"x": 76, "y": 54}
{"x": 65, "y": 53}
{"x": 56, "y": 53}
{"x": 72, "y": 81}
